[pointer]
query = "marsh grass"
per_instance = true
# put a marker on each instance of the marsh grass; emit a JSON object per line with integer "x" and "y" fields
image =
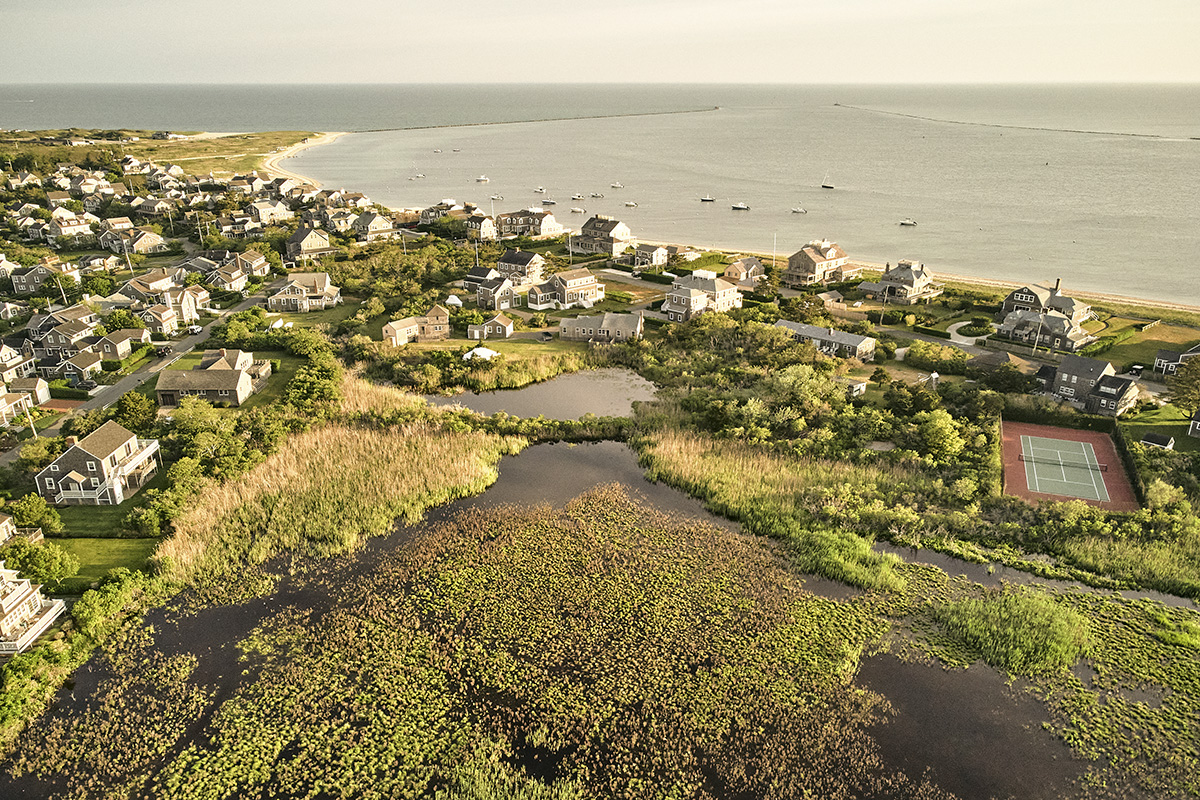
{"x": 775, "y": 495}
{"x": 1022, "y": 631}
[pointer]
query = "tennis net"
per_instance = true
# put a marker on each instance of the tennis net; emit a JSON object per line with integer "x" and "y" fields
{"x": 1058, "y": 462}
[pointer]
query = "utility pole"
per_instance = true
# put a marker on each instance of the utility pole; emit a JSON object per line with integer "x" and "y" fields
{"x": 32, "y": 427}
{"x": 62, "y": 291}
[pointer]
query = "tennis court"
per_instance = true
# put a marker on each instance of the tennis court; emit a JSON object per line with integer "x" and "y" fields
{"x": 1049, "y": 463}
{"x": 1054, "y": 466}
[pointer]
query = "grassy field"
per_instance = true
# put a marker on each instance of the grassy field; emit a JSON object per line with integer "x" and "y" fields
{"x": 1142, "y": 348}
{"x": 311, "y": 319}
{"x": 104, "y": 521}
{"x": 98, "y": 556}
{"x": 512, "y": 348}
{"x": 1167, "y": 420}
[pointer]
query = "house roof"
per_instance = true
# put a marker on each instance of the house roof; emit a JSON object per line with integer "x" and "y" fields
{"x": 1158, "y": 439}
{"x": 174, "y": 380}
{"x": 824, "y": 334}
{"x": 1087, "y": 368}
{"x": 520, "y": 258}
{"x": 499, "y": 318}
{"x": 106, "y": 440}
{"x": 574, "y": 274}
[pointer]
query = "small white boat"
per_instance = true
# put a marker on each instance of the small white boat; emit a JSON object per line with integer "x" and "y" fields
{"x": 908, "y": 222}
{"x": 740, "y": 207}
{"x": 420, "y": 174}
{"x": 497, "y": 197}
{"x": 597, "y": 194}
{"x": 577, "y": 196}
{"x": 549, "y": 202}
{"x": 826, "y": 183}
{"x": 617, "y": 185}
{"x": 458, "y": 149}
{"x": 799, "y": 210}
{"x": 578, "y": 210}
{"x": 708, "y": 198}
{"x": 539, "y": 190}
{"x": 482, "y": 179}
{"x": 631, "y": 204}
{"x": 437, "y": 151}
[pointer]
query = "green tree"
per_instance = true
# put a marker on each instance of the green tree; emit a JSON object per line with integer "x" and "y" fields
{"x": 45, "y": 563}
{"x": 123, "y": 318}
{"x": 939, "y": 434}
{"x": 1185, "y": 386}
{"x": 81, "y": 425}
{"x": 136, "y": 411}
{"x": 32, "y": 511}
{"x": 99, "y": 285}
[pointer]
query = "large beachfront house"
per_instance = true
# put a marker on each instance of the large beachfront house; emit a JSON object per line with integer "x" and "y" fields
{"x": 1042, "y": 316}
{"x": 602, "y": 234}
{"x": 907, "y": 283}
{"x": 101, "y": 469}
{"x": 819, "y": 261}
{"x": 1091, "y": 384}
{"x": 1168, "y": 362}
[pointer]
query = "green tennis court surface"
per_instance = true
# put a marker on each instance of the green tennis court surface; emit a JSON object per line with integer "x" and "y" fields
{"x": 1055, "y": 466}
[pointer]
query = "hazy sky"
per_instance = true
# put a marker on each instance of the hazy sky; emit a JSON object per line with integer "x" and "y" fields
{"x": 659, "y": 41}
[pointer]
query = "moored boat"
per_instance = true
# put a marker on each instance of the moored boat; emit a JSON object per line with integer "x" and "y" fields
{"x": 740, "y": 207}
{"x": 908, "y": 222}
{"x": 708, "y": 198}
{"x": 631, "y": 204}
{"x": 482, "y": 179}
{"x": 576, "y": 210}
{"x": 549, "y": 202}
{"x": 617, "y": 185}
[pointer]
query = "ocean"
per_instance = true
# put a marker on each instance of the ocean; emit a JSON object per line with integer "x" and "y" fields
{"x": 1093, "y": 184}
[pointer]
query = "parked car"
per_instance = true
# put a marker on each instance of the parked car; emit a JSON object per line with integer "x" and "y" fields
{"x": 547, "y": 336}
{"x": 87, "y": 386}
{"x": 194, "y": 329}
{"x": 163, "y": 350}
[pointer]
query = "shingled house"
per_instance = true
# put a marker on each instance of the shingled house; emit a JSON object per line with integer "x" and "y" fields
{"x": 223, "y": 376}
{"x": 608, "y": 327}
{"x": 602, "y": 234}
{"x": 819, "y": 261}
{"x": 24, "y": 613}
{"x": 305, "y": 291}
{"x": 831, "y": 340}
{"x": 574, "y": 287}
{"x": 101, "y": 469}
{"x": 907, "y": 283}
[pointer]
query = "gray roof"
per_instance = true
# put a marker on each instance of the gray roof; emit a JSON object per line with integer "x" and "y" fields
{"x": 521, "y": 258}
{"x": 1089, "y": 368}
{"x": 200, "y": 379}
{"x": 824, "y": 334}
{"x": 105, "y": 440}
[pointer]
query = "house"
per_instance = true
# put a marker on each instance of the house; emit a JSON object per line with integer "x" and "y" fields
{"x": 223, "y": 376}
{"x": 371, "y": 226}
{"x": 253, "y": 263}
{"x": 1044, "y": 299}
{"x": 498, "y": 327}
{"x": 1049, "y": 329}
{"x": 24, "y": 613}
{"x": 63, "y": 340}
{"x": 37, "y": 389}
{"x": 1168, "y": 362}
{"x": 907, "y": 283}
{"x": 1162, "y": 441}
{"x": 100, "y": 263}
{"x": 535, "y": 223}
{"x": 119, "y": 344}
{"x": 28, "y": 280}
{"x": 15, "y": 365}
{"x": 692, "y": 295}
{"x": 435, "y": 325}
{"x": 269, "y": 212}
{"x": 13, "y": 406}
{"x": 133, "y": 240}
{"x": 498, "y": 294}
{"x": 831, "y": 340}
{"x": 650, "y": 255}
{"x": 10, "y": 311}
{"x": 338, "y": 219}
{"x": 1076, "y": 375}
{"x": 1111, "y": 396}
{"x": 1194, "y": 425}
{"x": 819, "y": 261}
{"x": 6, "y": 266}
{"x": 401, "y": 331}
{"x": 308, "y": 243}
{"x": 161, "y": 319}
{"x": 79, "y": 367}
{"x": 746, "y": 272}
{"x": 101, "y": 469}
{"x": 78, "y": 229}
{"x": 482, "y": 227}
{"x": 521, "y": 266}
{"x": 602, "y": 234}
{"x": 228, "y": 278}
{"x": 306, "y": 291}
{"x": 575, "y": 287}
{"x": 477, "y": 275}
{"x": 607, "y": 328}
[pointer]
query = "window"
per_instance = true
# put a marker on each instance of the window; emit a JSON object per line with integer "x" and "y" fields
{"x": 54, "y": 467}
{"x": 95, "y": 482}
{"x": 49, "y": 483}
{"x": 91, "y": 465}
{"x": 223, "y": 393}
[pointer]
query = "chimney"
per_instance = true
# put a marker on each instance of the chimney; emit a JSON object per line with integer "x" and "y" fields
{"x": 70, "y": 441}
{"x": 1057, "y": 284}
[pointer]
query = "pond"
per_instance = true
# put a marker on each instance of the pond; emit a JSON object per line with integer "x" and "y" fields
{"x": 607, "y": 392}
{"x": 965, "y": 729}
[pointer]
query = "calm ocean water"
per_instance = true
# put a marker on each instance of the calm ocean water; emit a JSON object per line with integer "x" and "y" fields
{"x": 1095, "y": 184}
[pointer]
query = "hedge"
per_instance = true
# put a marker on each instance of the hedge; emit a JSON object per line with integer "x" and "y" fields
{"x": 655, "y": 277}
{"x": 932, "y": 331}
{"x": 68, "y": 393}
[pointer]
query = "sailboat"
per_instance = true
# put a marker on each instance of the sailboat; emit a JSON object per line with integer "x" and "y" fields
{"x": 825, "y": 184}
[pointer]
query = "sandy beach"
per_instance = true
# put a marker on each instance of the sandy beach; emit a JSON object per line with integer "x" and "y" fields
{"x": 271, "y": 164}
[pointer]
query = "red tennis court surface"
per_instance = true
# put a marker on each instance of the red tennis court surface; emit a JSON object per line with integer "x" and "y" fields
{"x": 1116, "y": 482}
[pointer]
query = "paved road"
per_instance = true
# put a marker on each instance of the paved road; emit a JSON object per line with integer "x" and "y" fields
{"x": 105, "y": 396}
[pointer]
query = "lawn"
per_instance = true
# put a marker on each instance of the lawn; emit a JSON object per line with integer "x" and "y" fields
{"x": 105, "y": 521}
{"x": 513, "y": 348}
{"x": 1142, "y": 348}
{"x": 1167, "y": 420}
{"x": 311, "y": 319}
{"x": 98, "y": 556}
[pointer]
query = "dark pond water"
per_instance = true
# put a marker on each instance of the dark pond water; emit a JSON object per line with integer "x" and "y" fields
{"x": 975, "y": 736}
{"x": 606, "y": 392}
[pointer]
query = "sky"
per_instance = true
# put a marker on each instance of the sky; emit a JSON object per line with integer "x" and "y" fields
{"x": 616, "y": 41}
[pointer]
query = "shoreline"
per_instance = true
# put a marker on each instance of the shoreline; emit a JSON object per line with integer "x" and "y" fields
{"x": 952, "y": 277}
{"x": 270, "y": 164}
